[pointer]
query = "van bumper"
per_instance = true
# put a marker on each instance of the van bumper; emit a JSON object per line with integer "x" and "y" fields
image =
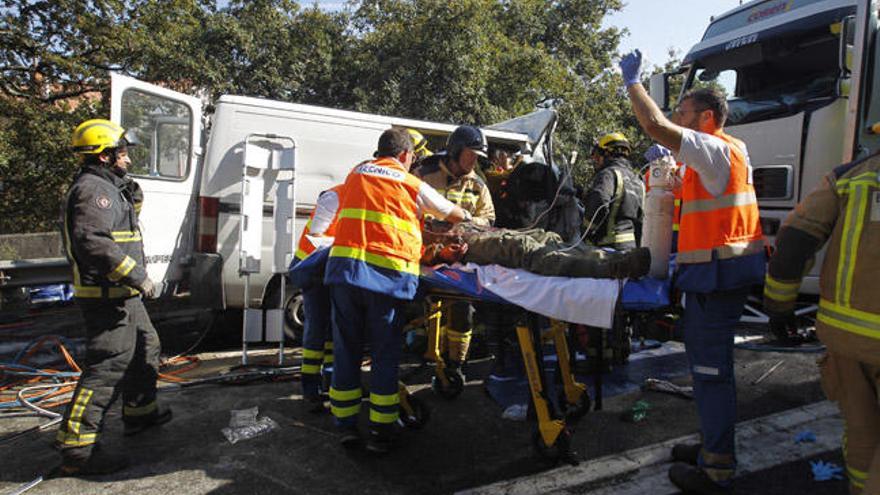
{"x": 206, "y": 281}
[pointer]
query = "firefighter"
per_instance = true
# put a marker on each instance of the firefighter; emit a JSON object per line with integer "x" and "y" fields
{"x": 372, "y": 270}
{"x": 420, "y": 146}
{"x": 844, "y": 212}
{"x": 317, "y": 337}
{"x": 721, "y": 254}
{"x": 615, "y": 186}
{"x": 105, "y": 249}
{"x": 452, "y": 173}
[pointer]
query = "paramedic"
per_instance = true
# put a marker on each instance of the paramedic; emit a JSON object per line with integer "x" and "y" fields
{"x": 721, "y": 253}
{"x": 372, "y": 270}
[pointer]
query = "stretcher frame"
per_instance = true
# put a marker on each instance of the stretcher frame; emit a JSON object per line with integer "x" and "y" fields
{"x": 553, "y": 434}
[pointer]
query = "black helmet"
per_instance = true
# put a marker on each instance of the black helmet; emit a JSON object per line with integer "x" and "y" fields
{"x": 466, "y": 136}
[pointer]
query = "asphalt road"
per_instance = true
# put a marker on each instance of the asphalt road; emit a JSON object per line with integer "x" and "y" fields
{"x": 466, "y": 444}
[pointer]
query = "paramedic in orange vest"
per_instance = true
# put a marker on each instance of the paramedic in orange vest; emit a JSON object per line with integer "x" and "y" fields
{"x": 317, "y": 344}
{"x": 372, "y": 270}
{"x": 721, "y": 254}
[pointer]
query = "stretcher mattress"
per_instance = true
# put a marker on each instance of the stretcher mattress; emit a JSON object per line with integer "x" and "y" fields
{"x": 575, "y": 300}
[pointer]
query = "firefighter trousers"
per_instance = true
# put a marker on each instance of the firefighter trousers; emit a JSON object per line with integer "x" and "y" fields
{"x": 361, "y": 316}
{"x": 854, "y": 386}
{"x": 122, "y": 356}
{"x": 317, "y": 339}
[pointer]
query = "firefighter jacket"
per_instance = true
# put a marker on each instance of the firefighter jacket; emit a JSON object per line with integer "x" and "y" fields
{"x": 469, "y": 191}
{"x": 617, "y": 189}
{"x": 843, "y": 211}
{"x": 101, "y": 234}
{"x": 722, "y": 227}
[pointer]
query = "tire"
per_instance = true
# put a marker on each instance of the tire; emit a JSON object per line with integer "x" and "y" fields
{"x": 294, "y": 317}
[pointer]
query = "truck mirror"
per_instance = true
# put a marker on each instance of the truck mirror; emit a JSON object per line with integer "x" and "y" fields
{"x": 658, "y": 88}
{"x": 847, "y": 39}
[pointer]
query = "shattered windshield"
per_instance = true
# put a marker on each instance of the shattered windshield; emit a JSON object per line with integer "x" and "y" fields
{"x": 774, "y": 78}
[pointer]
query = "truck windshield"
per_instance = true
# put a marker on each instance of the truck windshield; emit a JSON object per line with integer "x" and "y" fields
{"x": 773, "y": 78}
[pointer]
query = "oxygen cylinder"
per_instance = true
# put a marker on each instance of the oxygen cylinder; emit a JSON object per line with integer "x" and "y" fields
{"x": 659, "y": 209}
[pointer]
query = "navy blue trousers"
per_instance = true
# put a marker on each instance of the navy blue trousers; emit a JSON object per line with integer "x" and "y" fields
{"x": 361, "y": 316}
{"x": 317, "y": 338}
{"x": 709, "y": 323}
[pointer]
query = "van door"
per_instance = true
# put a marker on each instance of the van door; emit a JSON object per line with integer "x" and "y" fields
{"x": 166, "y": 165}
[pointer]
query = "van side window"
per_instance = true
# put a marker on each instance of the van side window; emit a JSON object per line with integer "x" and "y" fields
{"x": 164, "y": 129}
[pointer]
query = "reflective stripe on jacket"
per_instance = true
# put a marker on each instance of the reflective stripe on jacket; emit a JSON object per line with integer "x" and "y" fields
{"x": 305, "y": 247}
{"x": 727, "y": 226}
{"x": 378, "y": 232}
{"x": 101, "y": 235}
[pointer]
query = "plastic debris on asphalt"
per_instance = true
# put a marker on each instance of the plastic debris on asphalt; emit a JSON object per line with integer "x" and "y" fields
{"x": 805, "y": 436}
{"x": 638, "y": 412}
{"x": 824, "y": 471}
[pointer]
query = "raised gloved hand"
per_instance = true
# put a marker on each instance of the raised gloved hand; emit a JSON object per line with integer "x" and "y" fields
{"x": 453, "y": 252}
{"x": 784, "y": 327}
{"x": 147, "y": 289}
{"x": 631, "y": 67}
{"x": 656, "y": 152}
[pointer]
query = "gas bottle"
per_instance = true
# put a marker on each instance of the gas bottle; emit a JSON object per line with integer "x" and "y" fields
{"x": 659, "y": 209}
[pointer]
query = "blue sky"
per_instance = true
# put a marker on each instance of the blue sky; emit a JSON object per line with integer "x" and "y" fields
{"x": 655, "y": 25}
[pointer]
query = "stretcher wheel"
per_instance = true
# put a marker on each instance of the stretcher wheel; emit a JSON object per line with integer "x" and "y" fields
{"x": 574, "y": 412}
{"x": 456, "y": 386}
{"x": 559, "y": 451}
{"x": 416, "y": 418}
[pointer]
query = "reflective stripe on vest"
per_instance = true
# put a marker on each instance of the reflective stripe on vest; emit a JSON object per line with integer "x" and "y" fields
{"x": 305, "y": 247}
{"x": 611, "y": 236}
{"x": 726, "y": 226}
{"x": 378, "y": 219}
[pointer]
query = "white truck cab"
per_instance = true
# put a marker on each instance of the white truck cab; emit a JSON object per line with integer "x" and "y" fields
{"x": 190, "y": 169}
{"x": 799, "y": 76}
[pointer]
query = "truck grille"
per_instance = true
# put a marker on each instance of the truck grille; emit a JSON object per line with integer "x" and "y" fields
{"x": 773, "y": 182}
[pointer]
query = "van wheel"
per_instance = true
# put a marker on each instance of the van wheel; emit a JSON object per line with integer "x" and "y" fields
{"x": 293, "y": 317}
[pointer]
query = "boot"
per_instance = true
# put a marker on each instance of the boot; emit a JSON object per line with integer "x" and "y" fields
{"x": 382, "y": 439}
{"x": 315, "y": 404}
{"x": 686, "y": 453}
{"x": 693, "y": 480}
{"x": 349, "y": 436}
{"x": 137, "y": 424}
{"x": 90, "y": 461}
{"x": 638, "y": 262}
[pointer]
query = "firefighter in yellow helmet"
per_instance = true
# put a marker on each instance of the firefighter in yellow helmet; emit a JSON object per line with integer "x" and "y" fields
{"x": 420, "y": 144}
{"x": 106, "y": 253}
{"x": 613, "y": 202}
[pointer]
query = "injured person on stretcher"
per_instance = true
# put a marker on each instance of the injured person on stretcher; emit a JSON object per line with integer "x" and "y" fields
{"x": 534, "y": 250}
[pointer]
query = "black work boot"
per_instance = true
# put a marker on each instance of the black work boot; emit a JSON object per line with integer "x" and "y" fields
{"x": 349, "y": 437}
{"x": 381, "y": 439}
{"x": 315, "y": 404}
{"x": 686, "y": 453}
{"x": 90, "y": 461}
{"x": 693, "y": 480}
{"x": 137, "y": 424}
{"x": 638, "y": 262}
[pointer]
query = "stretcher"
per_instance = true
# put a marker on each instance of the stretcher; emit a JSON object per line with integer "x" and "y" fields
{"x": 442, "y": 285}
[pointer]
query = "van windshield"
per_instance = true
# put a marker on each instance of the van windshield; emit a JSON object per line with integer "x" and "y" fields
{"x": 773, "y": 78}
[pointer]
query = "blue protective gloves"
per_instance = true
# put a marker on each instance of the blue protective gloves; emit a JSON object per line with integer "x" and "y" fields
{"x": 631, "y": 67}
{"x": 657, "y": 151}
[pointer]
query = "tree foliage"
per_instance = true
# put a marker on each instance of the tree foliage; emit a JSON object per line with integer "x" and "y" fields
{"x": 468, "y": 61}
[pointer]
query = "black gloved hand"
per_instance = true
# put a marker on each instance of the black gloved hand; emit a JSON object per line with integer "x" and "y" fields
{"x": 784, "y": 327}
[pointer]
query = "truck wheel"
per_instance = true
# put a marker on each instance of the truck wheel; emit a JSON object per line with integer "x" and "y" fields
{"x": 293, "y": 317}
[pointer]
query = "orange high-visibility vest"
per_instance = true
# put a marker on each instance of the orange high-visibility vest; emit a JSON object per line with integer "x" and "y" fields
{"x": 305, "y": 247}
{"x": 378, "y": 220}
{"x": 728, "y": 226}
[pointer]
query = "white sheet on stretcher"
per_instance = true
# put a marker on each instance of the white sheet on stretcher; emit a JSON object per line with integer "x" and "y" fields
{"x": 588, "y": 301}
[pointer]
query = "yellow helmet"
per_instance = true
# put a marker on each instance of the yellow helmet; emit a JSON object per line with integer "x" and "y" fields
{"x": 611, "y": 141}
{"x": 420, "y": 143}
{"x": 94, "y": 136}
